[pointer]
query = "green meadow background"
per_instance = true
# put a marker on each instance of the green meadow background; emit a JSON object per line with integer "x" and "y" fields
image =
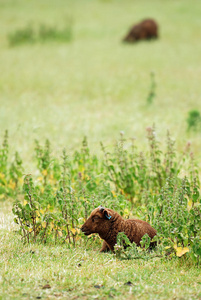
{"x": 95, "y": 85}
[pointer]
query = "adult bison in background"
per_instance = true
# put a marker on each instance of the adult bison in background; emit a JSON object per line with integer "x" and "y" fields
{"x": 145, "y": 30}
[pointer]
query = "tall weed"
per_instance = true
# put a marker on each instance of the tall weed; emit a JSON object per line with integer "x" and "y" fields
{"x": 11, "y": 171}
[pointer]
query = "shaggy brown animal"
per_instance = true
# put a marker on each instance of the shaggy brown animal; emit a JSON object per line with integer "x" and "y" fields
{"x": 108, "y": 223}
{"x": 145, "y": 30}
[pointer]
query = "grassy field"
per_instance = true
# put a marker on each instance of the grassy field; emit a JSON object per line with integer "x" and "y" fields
{"x": 56, "y": 272}
{"x": 95, "y": 86}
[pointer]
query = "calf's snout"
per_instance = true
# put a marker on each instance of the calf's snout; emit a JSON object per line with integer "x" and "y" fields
{"x": 85, "y": 230}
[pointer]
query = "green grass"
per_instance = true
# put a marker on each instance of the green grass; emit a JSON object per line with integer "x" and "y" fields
{"x": 74, "y": 273}
{"x": 95, "y": 86}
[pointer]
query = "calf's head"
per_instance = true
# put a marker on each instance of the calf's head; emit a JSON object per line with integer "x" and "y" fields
{"x": 98, "y": 222}
{"x": 129, "y": 38}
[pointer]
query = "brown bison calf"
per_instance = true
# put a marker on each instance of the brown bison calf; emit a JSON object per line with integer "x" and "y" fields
{"x": 145, "y": 30}
{"x": 108, "y": 223}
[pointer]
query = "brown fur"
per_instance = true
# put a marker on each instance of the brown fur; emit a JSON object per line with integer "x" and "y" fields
{"x": 108, "y": 223}
{"x": 145, "y": 30}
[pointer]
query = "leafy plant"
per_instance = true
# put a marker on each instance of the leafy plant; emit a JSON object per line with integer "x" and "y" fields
{"x": 124, "y": 249}
{"x": 48, "y": 166}
{"x": 21, "y": 36}
{"x": 28, "y": 214}
{"x": 10, "y": 172}
{"x": 38, "y": 221}
{"x": 176, "y": 215}
{"x": 4, "y": 155}
{"x": 194, "y": 120}
{"x": 16, "y": 171}
{"x": 136, "y": 174}
{"x": 46, "y": 33}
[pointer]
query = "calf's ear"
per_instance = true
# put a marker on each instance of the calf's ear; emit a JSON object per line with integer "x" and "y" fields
{"x": 107, "y": 215}
{"x": 105, "y": 212}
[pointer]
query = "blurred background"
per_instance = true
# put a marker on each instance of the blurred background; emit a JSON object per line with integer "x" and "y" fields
{"x": 66, "y": 74}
